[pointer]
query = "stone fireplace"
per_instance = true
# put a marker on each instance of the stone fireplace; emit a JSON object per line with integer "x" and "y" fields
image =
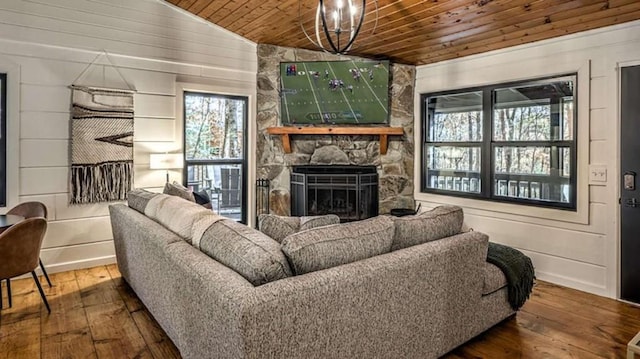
{"x": 394, "y": 170}
{"x": 350, "y": 192}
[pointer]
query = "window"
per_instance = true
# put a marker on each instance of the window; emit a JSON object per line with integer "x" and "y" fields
{"x": 215, "y": 150}
{"x": 509, "y": 142}
{"x": 3, "y": 140}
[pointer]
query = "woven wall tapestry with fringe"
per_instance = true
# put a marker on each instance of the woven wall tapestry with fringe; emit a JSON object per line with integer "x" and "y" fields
{"x": 101, "y": 144}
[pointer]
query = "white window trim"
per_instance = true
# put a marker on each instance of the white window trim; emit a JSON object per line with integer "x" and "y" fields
{"x": 241, "y": 90}
{"x": 12, "y": 70}
{"x": 508, "y": 210}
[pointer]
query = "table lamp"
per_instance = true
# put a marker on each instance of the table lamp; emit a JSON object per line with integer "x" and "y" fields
{"x": 166, "y": 161}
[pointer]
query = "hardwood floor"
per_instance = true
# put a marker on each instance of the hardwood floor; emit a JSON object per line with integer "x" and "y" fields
{"x": 95, "y": 314}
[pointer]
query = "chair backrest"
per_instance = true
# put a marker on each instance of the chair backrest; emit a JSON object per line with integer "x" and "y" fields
{"x": 20, "y": 247}
{"x": 29, "y": 210}
{"x": 230, "y": 187}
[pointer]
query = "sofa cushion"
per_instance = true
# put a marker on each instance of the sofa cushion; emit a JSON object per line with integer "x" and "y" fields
{"x": 279, "y": 227}
{"x": 442, "y": 221}
{"x": 179, "y": 216}
{"x": 330, "y": 246}
{"x": 309, "y": 222}
{"x": 493, "y": 278}
{"x": 176, "y": 189}
{"x": 247, "y": 251}
{"x": 138, "y": 199}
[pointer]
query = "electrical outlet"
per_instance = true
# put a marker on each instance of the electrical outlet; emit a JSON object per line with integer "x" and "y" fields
{"x": 597, "y": 173}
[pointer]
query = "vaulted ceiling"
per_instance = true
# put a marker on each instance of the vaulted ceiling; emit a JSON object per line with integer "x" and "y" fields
{"x": 420, "y": 31}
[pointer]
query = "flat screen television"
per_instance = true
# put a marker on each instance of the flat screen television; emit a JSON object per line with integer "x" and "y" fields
{"x": 334, "y": 92}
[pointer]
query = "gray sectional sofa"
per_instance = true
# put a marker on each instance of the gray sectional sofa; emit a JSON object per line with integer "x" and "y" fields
{"x": 223, "y": 290}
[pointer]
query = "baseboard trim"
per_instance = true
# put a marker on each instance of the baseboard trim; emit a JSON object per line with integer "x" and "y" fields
{"x": 73, "y": 265}
{"x": 572, "y": 283}
{"x": 80, "y": 264}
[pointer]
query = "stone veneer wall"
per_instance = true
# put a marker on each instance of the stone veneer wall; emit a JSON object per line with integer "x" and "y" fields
{"x": 395, "y": 169}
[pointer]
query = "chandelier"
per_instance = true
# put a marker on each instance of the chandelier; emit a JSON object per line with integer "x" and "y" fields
{"x": 337, "y": 23}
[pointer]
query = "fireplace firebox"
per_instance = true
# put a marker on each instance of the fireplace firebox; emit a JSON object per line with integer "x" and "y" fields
{"x": 350, "y": 192}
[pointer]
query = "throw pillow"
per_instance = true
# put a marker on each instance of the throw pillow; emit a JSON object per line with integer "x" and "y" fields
{"x": 202, "y": 197}
{"x": 176, "y": 189}
{"x": 330, "y": 246}
{"x": 310, "y": 222}
{"x": 443, "y": 221}
{"x": 279, "y": 227}
{"x": 247, "y": 251}
{"x": 138, "y": 199}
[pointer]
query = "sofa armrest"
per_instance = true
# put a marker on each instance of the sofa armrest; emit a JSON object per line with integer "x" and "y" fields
{"x": 195, "y": 299}
{"x": 398, "y": 304}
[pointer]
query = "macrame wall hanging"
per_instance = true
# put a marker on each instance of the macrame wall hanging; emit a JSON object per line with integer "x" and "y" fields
{"x": 101, "y": 139}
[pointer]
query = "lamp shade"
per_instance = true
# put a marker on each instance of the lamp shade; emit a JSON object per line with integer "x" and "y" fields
{"x": 165, "y": 161}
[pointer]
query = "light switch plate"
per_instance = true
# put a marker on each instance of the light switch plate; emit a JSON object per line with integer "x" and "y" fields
{"x": 597, "y": 173}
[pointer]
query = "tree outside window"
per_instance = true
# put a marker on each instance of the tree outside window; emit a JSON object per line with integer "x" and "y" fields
{"x": 214, "y": 136}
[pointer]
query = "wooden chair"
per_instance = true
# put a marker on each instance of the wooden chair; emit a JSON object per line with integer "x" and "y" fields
{"x": 20, "y": 251}
{"x": 32, "y": 210}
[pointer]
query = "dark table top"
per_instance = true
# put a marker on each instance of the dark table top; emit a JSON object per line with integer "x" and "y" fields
{"x": 8, "y": 220}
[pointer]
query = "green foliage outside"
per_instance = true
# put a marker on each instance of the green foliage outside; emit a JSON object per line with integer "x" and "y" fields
{"x": 213, "y": 127}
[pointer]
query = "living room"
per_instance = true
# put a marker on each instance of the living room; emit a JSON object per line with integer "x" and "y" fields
{"x": 162, "y": 51}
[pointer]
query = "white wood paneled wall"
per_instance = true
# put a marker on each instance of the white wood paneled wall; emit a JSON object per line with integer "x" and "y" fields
{"x": 580, "y": 249}
{"x": 154, "y": 45}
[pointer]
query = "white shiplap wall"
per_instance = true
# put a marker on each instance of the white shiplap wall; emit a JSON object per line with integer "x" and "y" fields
{"x": 46, "y": 44}
{"x": 577, "y": 249}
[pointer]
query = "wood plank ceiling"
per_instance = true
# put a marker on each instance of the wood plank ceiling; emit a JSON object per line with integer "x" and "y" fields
{"x": 420, "y": 32}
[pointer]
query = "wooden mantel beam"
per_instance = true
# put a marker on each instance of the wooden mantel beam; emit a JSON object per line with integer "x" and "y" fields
{"x": 383, "y": 132}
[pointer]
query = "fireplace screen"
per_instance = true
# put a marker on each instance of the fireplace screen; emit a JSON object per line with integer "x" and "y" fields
{"x": 351, "y": 192}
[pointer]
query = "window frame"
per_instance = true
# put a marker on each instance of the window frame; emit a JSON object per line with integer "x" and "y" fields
{"x": 223, "y": 161}
{"x": 3, "y": 139}
{"x": 488, "y": 146}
